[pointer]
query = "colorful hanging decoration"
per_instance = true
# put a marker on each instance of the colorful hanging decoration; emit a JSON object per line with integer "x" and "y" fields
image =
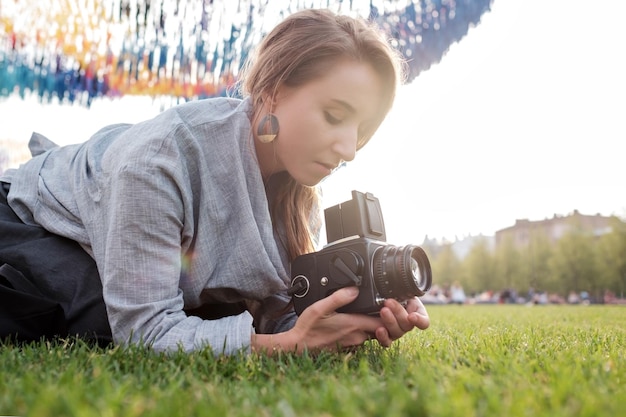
{"x": 79, "y": 50}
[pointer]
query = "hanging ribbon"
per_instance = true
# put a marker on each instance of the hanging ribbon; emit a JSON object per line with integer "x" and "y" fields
{"x": 79, "y": 50}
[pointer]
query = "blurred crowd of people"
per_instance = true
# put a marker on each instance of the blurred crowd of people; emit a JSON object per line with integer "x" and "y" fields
{"x": 455, "y": 294}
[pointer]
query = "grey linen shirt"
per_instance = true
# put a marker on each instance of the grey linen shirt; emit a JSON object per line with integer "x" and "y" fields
{"x": 175, "y": 213}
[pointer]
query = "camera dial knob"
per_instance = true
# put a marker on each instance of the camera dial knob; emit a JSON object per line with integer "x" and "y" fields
{"x": 346, "y": 268}
{"x": 299, "y": 287}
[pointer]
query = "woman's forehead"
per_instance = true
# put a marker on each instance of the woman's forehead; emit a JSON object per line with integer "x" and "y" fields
{"x": 351, "y": 85}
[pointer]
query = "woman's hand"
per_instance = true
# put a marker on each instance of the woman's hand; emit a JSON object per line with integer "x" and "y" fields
{"x": 398, "y": 320}
{"x": 320, "y": 327}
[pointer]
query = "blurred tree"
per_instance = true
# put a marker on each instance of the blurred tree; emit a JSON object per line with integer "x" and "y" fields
{"x": 611, "y": 254}
{"x": 446, "y": 266}
{"x": 581, "y": 260}
{"x": 573, "y": 266}
{"x": 535, "y": 258}
{"x": 478, "y": 268}
{"x": 508, "y": 265}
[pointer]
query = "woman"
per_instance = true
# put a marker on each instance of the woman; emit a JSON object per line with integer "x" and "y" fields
{"x": 193, "y": 217}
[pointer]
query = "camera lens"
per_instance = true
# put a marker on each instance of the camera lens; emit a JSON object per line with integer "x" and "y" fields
{"x": 401, "y": 272}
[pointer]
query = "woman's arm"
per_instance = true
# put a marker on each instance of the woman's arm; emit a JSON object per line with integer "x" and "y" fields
{"x": 137, "y": 232}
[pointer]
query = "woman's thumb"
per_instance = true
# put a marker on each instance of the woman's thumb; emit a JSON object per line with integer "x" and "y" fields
{"x": 340, "y": 298}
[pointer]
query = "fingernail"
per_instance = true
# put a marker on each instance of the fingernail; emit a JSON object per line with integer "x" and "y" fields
{"x": 352, "y": 291}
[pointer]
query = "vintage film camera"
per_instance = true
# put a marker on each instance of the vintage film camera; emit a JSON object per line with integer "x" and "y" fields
{"x": 357, "y": 255}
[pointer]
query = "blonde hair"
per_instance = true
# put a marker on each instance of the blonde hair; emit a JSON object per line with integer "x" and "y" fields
{"x": 301, "y": 48}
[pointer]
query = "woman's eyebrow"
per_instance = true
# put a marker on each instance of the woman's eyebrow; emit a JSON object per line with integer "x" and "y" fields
{"x": 345, "y": 105}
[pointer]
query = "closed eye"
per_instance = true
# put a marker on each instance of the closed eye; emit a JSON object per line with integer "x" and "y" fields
{"x": 331, "y": 119}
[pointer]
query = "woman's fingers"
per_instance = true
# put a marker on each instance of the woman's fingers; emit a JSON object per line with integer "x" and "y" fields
{"x": 382, "y": 335}
{"x": 399, "y": 319}
{"x": 321, "y": 327}
{"x": 418, "y": 314}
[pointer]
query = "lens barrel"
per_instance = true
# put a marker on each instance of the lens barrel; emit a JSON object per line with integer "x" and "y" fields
{"x": 401, "y": 272}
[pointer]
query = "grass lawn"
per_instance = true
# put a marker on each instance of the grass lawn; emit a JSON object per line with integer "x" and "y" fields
{"x": 488, "y": 360}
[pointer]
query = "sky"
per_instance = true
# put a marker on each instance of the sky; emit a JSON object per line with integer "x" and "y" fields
{"x": 524, "y": 118}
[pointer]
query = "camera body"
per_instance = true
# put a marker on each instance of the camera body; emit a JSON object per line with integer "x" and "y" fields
{"x": 357, "y": 255}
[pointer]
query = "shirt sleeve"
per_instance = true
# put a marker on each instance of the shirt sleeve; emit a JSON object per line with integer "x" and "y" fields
{"x": 137, "y": 244}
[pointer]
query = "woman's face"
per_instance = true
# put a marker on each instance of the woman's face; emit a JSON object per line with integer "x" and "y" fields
{"x": 321, "y": 121}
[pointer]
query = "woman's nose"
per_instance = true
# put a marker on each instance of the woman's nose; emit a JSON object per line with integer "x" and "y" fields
{"x": 345, "y": 145}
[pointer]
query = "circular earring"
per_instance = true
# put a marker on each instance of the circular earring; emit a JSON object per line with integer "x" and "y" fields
{"x": 268, "y": 128}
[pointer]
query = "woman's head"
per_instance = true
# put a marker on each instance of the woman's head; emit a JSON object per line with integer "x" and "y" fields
{"x": 329, "y": 80}
{"x": 307, "y": 44}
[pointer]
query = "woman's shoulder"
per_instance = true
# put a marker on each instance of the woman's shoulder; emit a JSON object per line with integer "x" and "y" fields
{"x": 211, "y": 110}
{"x": 185, "y": 124}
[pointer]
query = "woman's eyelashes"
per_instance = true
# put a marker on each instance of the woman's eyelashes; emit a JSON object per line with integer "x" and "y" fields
{"x": 331, "y": 119}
